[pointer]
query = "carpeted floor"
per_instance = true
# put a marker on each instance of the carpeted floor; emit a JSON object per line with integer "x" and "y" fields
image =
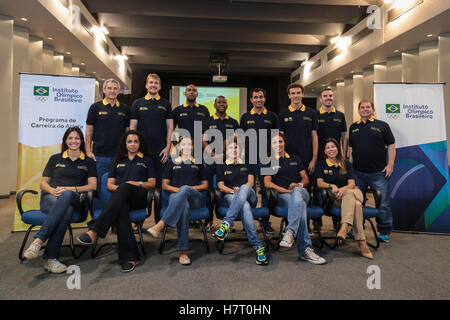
{"x": 412, "y": 266}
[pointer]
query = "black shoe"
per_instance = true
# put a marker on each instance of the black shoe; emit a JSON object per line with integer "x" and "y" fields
{"x": 128, "y": 267}
{"x": 85, "y": 239}
{"x": 269, "y": 229}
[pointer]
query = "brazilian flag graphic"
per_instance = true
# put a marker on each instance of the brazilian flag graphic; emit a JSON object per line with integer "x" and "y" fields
{"x": 41, "y": 91}
{"x": 392, "y": 108}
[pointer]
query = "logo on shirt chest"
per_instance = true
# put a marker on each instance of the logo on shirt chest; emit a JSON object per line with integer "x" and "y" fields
{"x": 60, "y": 165}
{"x": 141, "y": 164}
{"x": 268, "y": 121}
{"x": 321, "y": 121}
{"x": 229, "y": 126}
{"x": 355, "y": 130}
{"x": 183, "y": 114}
{"x": 227, "y": 173}
{"x": 375, "y": 129}
{"x": 143, "y": 108}
{"x": 328, "y": 172}
{"x": 338, "y": 120}
{"x": 82, "y": 168}
{"x": 121, "y": 114}
{"x": 120, "y": 165}
{"x": 213, "y": 126}
{"x": 250, "y": 122}
{"x": 201, "y": 114}
{"x": 293, "y": 163}
{"x": 288, "y": 119}
{"x": 193, "y": 166}
{"x": 276, "y": 167}
{"x": 102, "y": 113}
{"x": 307, "y": 119}
{"x": 161, "y": 108}
{"x": 244, "y": 169}
{"x": 176, "y": 167}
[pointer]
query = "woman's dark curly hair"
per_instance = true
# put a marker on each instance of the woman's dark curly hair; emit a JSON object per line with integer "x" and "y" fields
{"x": 122, "y": 147}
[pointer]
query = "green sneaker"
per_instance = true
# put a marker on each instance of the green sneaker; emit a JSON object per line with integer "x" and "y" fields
{"x": 222, "y": 232}
{"x": 261, "y": 258}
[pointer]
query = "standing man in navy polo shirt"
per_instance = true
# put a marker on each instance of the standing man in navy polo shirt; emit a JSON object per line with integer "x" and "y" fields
{"x": 259, "y": 118}
{"x": 331, "y": 121}
{"x": 106, "y": 121}
{"x": 152, "y": 116}
{"x": 370, "y": 141}
{"x": 185, "y": 115}
{"x": 299, "y": 124}
{"x": 220, "y": 121}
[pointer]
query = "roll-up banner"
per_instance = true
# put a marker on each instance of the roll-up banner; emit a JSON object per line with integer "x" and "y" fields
{"x": 48, "y": 105}
{"x": 419, "y": 186}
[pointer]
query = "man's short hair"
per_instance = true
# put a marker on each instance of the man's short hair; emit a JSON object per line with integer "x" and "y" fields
{"x": 365, "y": 101}
{"x": 219, "y": 97}
{"x": 325, "y": 89}
{"x": 154, "y": 76}
{"x": 257, "y": 90}
{"x": 105, "y": 84}
{"x": 294, "y": 85}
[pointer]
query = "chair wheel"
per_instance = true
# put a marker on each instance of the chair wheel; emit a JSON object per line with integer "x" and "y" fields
{"x": 220, "y": 245}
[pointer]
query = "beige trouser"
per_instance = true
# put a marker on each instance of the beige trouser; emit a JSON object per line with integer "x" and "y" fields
{"x": 351, "y": 211}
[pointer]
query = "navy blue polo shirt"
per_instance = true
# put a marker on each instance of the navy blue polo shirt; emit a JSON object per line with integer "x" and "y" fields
{"x": 233, "y": 174}
{"x": 185, "y": 115}
{"x": 64, "y": 172}
{"x": 109, "y": 124}
{"x": 266, "y": 120}
{"x": 297, "y": 126}
{"x": 289, "y": 168}
{"x": 151, "y": 115}
{"x": 184, "y": 173}
{"x": 326, "y": 170}
{"x": 215, "y": 122}
{"x": 331, "y": 125}
{"x": 138, "y": 169}
{"x": 369, "y": 143}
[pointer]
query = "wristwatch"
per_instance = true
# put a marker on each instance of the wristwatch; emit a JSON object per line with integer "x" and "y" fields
{"x": 140, "y": 184}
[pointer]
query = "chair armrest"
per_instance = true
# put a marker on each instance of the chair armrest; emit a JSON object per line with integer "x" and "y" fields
{"x": 90, "y": 201}
{"x": 158, "y": 197}
{"x": 271, "y": 195}
{"x": 376, "y": 196}
{"x": 150, "y": 196}
{"x": 20, "y": 196}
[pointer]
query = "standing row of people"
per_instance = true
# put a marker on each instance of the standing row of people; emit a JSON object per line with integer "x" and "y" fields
{"x": 303, "y": 136}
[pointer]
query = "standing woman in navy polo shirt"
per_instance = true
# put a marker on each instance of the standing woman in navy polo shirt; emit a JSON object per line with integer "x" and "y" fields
{"x": 336, "y": 173}
{"x": 130, "y": 177}
{"x": 184, "y": 180}
{"x": 65, "y": 177}
{"x": 289, "y": 179}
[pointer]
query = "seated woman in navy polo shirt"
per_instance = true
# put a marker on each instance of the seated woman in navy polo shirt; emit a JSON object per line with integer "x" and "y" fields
{"x": 130, "y": 177}
{"x": 65, "y": 177}
{"x": 336, "y": 173}
{"x": 235, "y": 180}
{"x": 184, "y": 180}
{"x": 289, "y": 178}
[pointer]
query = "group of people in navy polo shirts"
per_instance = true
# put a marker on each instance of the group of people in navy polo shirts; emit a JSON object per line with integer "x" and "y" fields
{"x": 134, "y": 147}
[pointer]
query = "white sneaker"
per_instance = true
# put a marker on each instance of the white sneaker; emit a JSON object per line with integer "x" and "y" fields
{"x": 288, "y": 239}
{"x": 54, "y": 266}
{"x": 310, "y": 256}
{"x": 32, "y": 251}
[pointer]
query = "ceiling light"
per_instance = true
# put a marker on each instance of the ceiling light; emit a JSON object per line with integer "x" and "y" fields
{"x": 104, "y": 30}
{"x": 429, "y": 35}
{"x": 50, "y": 38}
{"x": 68, "y": 52}
{"x": 24, "y": 19}
{"x": 396, "y": 51}
{"x": 82, "y": 63}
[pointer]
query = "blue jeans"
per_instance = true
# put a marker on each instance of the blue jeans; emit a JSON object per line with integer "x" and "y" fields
{"x": 177, "y": 212}
{"x": 378, "y": 181}
{"x": 296, "y": 202}
{"x": 103, "y": 165}
{"x": 59, "y": 212}
{"x": 240, "y": 207}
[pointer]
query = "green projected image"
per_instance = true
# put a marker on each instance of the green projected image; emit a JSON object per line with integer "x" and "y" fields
{"x": 207, "y": 95}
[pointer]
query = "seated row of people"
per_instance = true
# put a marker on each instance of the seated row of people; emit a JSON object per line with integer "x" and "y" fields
{"x": 131, "y": 175}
